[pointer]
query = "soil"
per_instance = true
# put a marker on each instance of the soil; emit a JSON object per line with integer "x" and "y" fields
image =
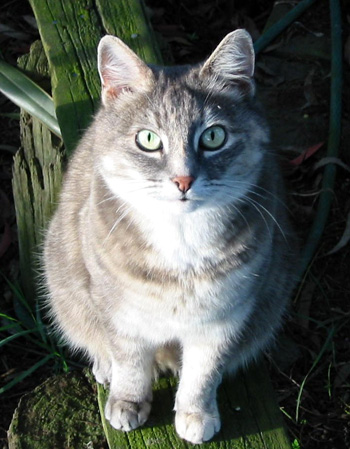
{"x": 310, "y": 365}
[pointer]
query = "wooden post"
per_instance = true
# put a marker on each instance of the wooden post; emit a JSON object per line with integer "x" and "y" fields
{"x": 37, "y": 177}
{"x": 70, "y": 32}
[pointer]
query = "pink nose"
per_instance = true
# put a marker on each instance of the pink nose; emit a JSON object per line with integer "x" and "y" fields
{"x": 183, "y": 182}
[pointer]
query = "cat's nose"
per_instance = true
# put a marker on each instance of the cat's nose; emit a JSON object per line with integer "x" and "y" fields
{"x": 183, "y": 182}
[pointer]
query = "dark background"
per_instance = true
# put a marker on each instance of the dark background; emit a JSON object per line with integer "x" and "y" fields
{"x": 298, "y": 110}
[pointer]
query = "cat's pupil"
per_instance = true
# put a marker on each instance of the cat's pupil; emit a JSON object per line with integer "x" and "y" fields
{"x": 213, "y": 138}
{"x": 147, "y": 140}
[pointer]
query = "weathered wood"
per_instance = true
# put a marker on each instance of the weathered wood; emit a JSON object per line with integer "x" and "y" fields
{"x": 70, "y": 32}
{"x": 37, "y": 177}
{"x": 250, "y": 417}
{"x": 62, "y": 413}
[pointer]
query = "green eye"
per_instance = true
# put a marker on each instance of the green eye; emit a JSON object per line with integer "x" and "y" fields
{"x": 148, "y": 140}
{"x": 212, "y": 138}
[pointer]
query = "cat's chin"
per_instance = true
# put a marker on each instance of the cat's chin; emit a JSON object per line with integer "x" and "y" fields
{"x": 187, "y": 206}
{"x": 183, "y": 206}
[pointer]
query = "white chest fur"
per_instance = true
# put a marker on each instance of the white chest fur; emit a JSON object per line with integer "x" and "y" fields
{"x": 215, "y": 309}
{"x": 183, "y": 240}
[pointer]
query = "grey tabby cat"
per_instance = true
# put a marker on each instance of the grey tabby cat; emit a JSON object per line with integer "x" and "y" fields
{"x": 170, "y": 234}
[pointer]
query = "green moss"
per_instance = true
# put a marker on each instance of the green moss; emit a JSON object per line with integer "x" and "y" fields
{"x": 61, "y": 413}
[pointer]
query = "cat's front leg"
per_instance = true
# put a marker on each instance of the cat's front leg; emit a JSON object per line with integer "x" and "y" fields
{"x": 130, "y": 397}
{"x": 102, "y": 370}
{"x": 197, "y": 417}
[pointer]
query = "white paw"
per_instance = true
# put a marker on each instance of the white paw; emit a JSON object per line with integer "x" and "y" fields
{"x": 102, "y": 371}
{"x": 197, "y": 427}
{"x": 126, "y": 415}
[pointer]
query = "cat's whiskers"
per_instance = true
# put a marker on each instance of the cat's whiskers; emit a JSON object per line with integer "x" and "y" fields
{"x": 271, "y": 216}
{"x": 231, "y": 206}
{"x": 236, "y": 209}
{"x": 234, "y": 183}
{"x": 251, "y": 189}
{"x": 110, "y": 198}
{"x": 132, "y": 186}
{"x": 259, "y": 207}
{"x": 207, "y": 98}
{"x": 120, "y": 218}
{"x": 256, "y": 207}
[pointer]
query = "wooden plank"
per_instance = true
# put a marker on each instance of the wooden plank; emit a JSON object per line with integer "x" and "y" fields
{"x": 70, "y": 32}
{"x": 250, "y": 416}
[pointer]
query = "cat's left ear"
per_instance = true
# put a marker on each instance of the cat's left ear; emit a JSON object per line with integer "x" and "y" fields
{"x": 233, "y": 61}
{"x": 120, "y": 69}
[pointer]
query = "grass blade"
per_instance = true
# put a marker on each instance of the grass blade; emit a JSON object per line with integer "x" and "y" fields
{"x": 8, "y": 327}
{"x": 25, "y": 373}
{"x": 40, "y": 324}
{"x": 8, "y": 317}
{"x": 11, "y": 115}
{"x": 17, "y": 335}
{"x": 26, "y": 94}
{"x": 22, "y": 308}
{"x": 318, "y": 358}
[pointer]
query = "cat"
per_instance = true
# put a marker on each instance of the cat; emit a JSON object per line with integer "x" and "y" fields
{"x": 171, "y": 242}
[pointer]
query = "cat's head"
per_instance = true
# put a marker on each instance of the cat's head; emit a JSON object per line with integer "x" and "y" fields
{"x": 179, "y": 138}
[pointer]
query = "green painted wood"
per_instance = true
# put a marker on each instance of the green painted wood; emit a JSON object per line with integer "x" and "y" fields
{"x": 70, "y": 32}
{"x": 250, "y": 416}
{"x": 37, "y": 177}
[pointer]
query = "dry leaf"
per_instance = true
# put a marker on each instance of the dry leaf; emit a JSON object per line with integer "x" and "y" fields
{"x": 345, "y": 238}
{"x": 306, "y": 154}
{"x": 331, "y": 160}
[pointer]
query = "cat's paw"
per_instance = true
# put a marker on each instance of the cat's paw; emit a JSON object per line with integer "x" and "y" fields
{"x": 102, "y": 371}
{"x": 197, "y": 427}
{"x": 127, "y": 415}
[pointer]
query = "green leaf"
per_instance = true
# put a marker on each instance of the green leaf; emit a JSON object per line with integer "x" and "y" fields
{"x": 26, "y": 94}
{"x": 295, "y": 444}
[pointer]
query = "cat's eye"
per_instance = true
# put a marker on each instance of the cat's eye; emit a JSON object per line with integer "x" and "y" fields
{"x": 147, "y": 140}
{"x": 212, "y": 138}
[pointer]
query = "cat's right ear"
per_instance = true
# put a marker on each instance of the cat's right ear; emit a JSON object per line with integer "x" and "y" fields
{"x": 232, "y": 62}
{"x": 120, "y": 69}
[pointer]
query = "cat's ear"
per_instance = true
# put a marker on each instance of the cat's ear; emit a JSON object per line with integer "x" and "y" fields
{"x": 233, "y": 61}
{"x": 120, "y": 69}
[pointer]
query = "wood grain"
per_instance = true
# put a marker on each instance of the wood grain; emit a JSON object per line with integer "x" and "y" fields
{"x": 250, "y": 416}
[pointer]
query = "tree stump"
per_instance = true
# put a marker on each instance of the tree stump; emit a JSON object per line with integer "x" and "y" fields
{"x": 62, "y": 413}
